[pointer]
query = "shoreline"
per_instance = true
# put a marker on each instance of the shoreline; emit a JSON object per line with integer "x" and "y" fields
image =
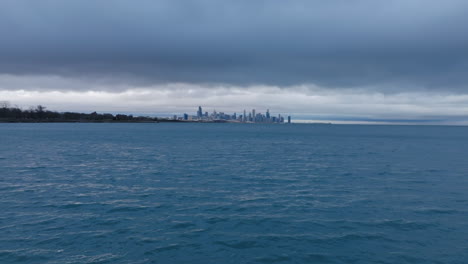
{"x": 125, "y": 121}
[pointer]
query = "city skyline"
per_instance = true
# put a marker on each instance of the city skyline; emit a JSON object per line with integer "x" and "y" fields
{"x": 251, "y": 117}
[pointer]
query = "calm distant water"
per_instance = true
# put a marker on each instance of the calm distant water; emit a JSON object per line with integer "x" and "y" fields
{"x": 233, "y": 193}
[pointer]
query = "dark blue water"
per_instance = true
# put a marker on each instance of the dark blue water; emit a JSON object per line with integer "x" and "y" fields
{"x": 233, "y": 193}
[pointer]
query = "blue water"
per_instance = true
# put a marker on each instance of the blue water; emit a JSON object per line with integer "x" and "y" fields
{"x": 233, "y": 193}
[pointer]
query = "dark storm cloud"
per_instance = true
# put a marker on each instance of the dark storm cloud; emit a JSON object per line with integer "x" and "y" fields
{"x": 400, "y": 44}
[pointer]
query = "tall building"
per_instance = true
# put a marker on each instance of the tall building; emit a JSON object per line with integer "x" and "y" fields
{"x": 289, "y": 119}
{"x": 253, "y": 115}
{"x": 245, "y": 116}
{"x": 200, "y": 112}
{"x": 268, "y": 114}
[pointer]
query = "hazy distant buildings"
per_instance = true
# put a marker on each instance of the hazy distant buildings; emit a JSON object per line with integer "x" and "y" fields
{"x": 199, "y": 113}
{"x": 251, "y": 117}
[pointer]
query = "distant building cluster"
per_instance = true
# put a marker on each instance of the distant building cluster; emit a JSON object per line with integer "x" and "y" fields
{"x": 245, "y": 117}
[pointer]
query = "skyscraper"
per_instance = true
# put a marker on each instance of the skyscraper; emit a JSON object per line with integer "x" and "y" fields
{"x": 289, "y": 119}
{"x": 200, "y": 112}
{"x": 268, "y": 114}
{"x": 253, "y": 115}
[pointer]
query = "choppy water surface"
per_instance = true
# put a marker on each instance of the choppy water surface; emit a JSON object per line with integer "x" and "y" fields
{"x": 233, "y": 193}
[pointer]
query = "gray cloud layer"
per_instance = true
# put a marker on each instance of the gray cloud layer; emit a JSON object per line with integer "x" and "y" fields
{"x": 397, "y": 45}
{"x": 302, "y": 102}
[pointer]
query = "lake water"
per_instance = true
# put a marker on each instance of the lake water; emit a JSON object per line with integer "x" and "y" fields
{"x": 233, "y": 193}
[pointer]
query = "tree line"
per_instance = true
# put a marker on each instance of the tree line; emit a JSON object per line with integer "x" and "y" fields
{"x": 40, "y": 113}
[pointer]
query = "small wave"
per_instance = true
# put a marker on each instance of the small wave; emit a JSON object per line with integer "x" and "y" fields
{"x": 163, "y": 248}
{"x": 273, "y": 259}
{"x": 11, "y": 187}
{"x": 400, "y": 225}
{"x": 179, "y": 225}
{"x": 52, "y": 240}
{"x": 33, "y": 168}
{"x": 250, "y": 222}
{"x": 74, "y": 205}
{"x": 102, "y": 258}
{"x": 359, "y": 236}
{"x": 215, "y": 220}
{"x": 6, "y": 227}
{"x": 318, "y": 258}
{"x": 350, "y": 237}
{"x": 41, "y": 222}
{"x": 218, "y": 208}
{"x": 22, "y": 256}
{"x": 55, "y": 228}
{"x": 127, "y": 209}
{"x": 148, "y": 240}
{"x": 405, "y": 258}
{"x": 111, "y": 222}
{"x": 238, "y": 244}
{"x": 437, "y": 211}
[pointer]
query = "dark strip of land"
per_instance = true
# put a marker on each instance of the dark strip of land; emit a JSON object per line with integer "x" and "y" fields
{"x": 39, "y": 114}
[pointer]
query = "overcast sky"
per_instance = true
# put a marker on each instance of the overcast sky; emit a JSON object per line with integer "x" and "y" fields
{"x": 354, "y": 60}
